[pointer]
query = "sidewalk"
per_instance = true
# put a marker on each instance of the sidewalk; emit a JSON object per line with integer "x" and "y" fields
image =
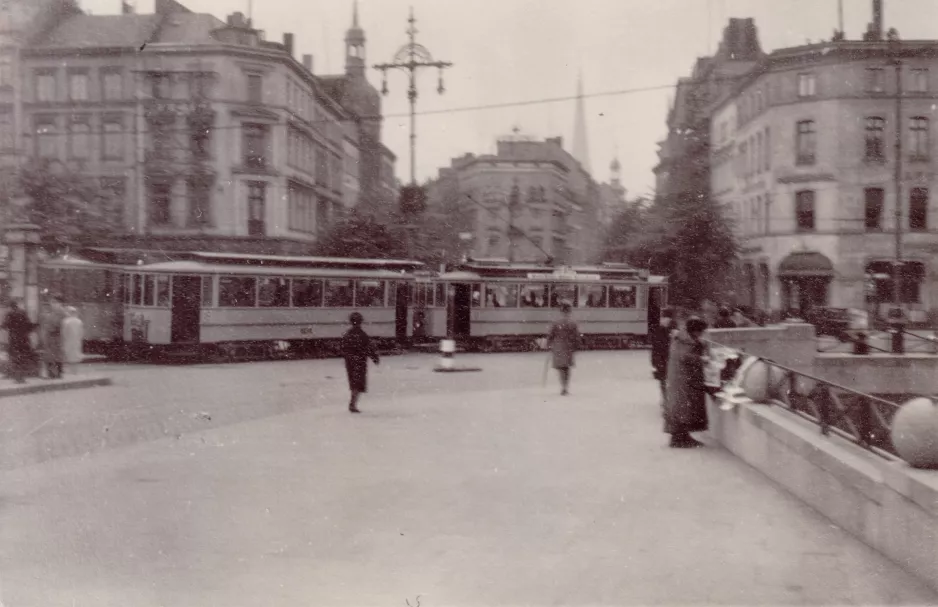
{"x": 34, "y": 385}
{"x": 460, "y": 490}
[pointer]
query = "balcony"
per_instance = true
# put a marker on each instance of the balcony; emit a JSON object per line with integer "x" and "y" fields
{"x": 159, "y": 112}
{"x": 201, "y": 116}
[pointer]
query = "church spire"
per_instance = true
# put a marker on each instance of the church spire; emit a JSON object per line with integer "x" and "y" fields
{"x": 355, "y": 46}
{"x": 580, "y": 144}
{"x": 355, "y": 14}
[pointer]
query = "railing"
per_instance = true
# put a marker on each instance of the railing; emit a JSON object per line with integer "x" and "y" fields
{"x": 846, "y": 337}
{"x": 863, "y": 419}
{"x": 923, "y": 343}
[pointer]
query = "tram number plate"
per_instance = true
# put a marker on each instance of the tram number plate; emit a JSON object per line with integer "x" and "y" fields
{"x": 306, "y": 331}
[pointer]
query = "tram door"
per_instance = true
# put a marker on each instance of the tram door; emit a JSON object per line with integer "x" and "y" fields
{"x": 402, "y": 302}
{"x": 655, "y": 301}
{"x": 462, "y": 310}
{"x": 187, "y": 304}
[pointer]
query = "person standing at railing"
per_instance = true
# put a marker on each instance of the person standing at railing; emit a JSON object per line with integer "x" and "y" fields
{"x": 685, "y": 409}
{"x": 660, "y": 339}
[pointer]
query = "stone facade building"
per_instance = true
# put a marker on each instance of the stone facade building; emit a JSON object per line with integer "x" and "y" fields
{"x": 805, "y": 155}
{"x": 207, "y": 135}
{"x": 535, "y": 187}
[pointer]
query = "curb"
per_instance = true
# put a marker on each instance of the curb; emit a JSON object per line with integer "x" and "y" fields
{"x": 54, "y": 386}
{"x": 456, "y": 369}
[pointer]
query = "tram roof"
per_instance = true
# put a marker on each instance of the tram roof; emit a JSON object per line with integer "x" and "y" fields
{"x": 500, "y": 269}
{"x": 197, "y": 267}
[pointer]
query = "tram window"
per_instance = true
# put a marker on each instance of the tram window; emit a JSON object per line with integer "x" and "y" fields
{"x": 149, "y": 289}
{"x": 208, "y": 299}
{"x": 138, "y": 290}
{"x": 423, "y": 295}
{"x": 533, "y": 296}
{"x": 162, "y": 291}
{"x": 307, "y": 293}
{"x": 339, "y": 293}
{"x": 273, "y": 292}
{"x": 501, "y": 296}
{"x": 440, "y": 298}
{"x": 622, "y": 297}
{"x": 560, "y": 294}
{"x": 236, "y": 291}
{"x": 592, "y": 296}
{"x": 476, "y": 295}
{"x": 369, "y": 294}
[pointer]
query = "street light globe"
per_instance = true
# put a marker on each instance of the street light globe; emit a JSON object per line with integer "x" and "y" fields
{"x": 465, "y": 236}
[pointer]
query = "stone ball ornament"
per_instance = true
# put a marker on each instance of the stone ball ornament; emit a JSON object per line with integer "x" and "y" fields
{"x": 915, "y": 432}
{"x": 760, "y": 380}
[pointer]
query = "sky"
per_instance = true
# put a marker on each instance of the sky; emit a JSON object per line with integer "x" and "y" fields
{"x": 507, "y": 51}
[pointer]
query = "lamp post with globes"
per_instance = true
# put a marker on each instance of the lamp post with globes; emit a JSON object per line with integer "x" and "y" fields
{"x": 896, "y": 315}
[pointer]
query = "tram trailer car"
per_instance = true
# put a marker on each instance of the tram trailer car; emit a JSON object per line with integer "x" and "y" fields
{"x": 94, "y": 289}
{"x": 225, "y": 307}
{"x": 509, "y": 307}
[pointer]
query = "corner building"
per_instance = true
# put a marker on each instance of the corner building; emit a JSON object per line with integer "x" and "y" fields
{"x": 803, "y": 153}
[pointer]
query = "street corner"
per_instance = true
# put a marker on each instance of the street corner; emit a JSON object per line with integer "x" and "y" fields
{"x": 40, "y": 385}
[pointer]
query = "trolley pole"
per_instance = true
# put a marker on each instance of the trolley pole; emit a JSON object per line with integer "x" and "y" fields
{"x": 410, "y": 58}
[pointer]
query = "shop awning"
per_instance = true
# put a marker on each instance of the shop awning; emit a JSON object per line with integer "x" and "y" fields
{"x": 805, "y": 264}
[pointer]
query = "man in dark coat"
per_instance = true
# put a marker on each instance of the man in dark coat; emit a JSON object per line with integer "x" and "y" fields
{"x": 685, "y": 409}
{"x": 53, "y": 353}
{"x": 357, "y": 349}
{"x": 660, "y": 338}
{"x": 18, "y": 327}
{"x": 724, "y": 319}
{"x": 564, "y": 341}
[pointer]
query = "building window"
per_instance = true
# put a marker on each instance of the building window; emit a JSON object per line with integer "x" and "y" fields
{"x": 767, "y": 150}
{"x": 874, "y": 202}
{"x": 744, "y": 159}
{"x": 200, "y": 143}
{"x": 115, "y": 189}
{"x": 255, "y": 145}
{"x": 45, "y": 86}
{"x": 807, "y": 85}
{"x": 47, "y": 139}
{"x": 806, "y": 142}
{"x": 257, "y": 196}
{"x": 6, "y": 131}
{"x": 78, "y": 86}
{"x": 875, "y": 139}
{"x": 759, "y": 153}
{"x": 6, "y": 73}
{"x": 160, "y": 202}
{"x": 161, "y": 86}
{"x": 199, "y": 86}
{"x": 875, "y": 80}
{"x": 79, "y": 137}
{"x": 113, "y": 139}
{"x": 918, "y": 138}
{"x": 255, "y": 83}
{"x": 919, "y": 80}
{"x": 804, "y": 210}
{"x": 918, "y": 209}
{"x": 112, "y": 86}
{"x": 199, "y": 204}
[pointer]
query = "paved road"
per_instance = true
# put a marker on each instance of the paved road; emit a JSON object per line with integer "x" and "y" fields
{"x": 467, "y": 489}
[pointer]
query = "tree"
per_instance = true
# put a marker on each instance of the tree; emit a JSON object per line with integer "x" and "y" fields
{"x": 359, "y": 234}
{"x": 69, "y": 208}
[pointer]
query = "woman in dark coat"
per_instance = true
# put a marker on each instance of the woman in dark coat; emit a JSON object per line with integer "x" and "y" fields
{"x": 685, "y": 409}
{"x": 18, "y": 327}
{"x": 564, "y": 341}
{"x": 357, "y": 349}
{"x": 660, "y": 338}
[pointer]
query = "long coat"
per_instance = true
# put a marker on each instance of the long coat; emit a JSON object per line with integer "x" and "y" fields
{"x": 660, "y": 338}
{"x": 357, "y": 349}
{"x": 73, "y": 333}
{"x": 18, "y": 327}
{"x": 51, "y": 336}
{"x": 685, "y": 408}
{"x": 564, "y": 340}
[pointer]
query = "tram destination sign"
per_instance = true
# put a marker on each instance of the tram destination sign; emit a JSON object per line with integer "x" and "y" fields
{"x": 564, "y": 274}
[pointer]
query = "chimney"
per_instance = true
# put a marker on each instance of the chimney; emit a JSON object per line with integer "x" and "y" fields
{"x": 308, "y": 63}
{"x": 288, "y": 43}
{"x": 878, "y": 19}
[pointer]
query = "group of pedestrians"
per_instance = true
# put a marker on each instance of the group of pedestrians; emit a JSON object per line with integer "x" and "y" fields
{"x": 61, "y": 333}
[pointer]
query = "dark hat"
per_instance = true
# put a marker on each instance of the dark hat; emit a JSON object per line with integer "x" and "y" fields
{"x": 724, "y": 311}
{"x": 356, "y": 319}
{"x": 696, "y": 324}
{"x": 565, "y": 307}
{"x": 667, "y": 313}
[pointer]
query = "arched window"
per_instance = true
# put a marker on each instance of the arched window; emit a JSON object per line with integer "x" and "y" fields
{"x": 875, "y": 139}
{"x": 804, "y": 210}
{"x": 918, "y": 138}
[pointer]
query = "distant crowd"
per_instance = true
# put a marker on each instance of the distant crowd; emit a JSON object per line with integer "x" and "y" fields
{"x": 57, "y": 341}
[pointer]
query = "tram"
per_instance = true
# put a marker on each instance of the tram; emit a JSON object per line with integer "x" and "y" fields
{"x": 499, "y": 306}
{"x": 220, "y": 306}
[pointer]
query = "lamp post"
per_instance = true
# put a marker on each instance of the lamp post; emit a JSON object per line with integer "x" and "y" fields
{"x": 410, "y": 58}
{"x": 894, "y": 51}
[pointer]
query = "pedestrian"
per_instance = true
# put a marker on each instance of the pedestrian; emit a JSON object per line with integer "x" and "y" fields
{"x": 685, "y": 404}
{"x": 741, "y": 320}
{"x": 18, "y": 327}
{"x": 564, "y": 341}
{"x": 51, "y": 338}
{"x": 73, "y": 335}
{"x": 660, "y": 339}
{"x": 357, "y": 349}
{"x": 723, "y": 319}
